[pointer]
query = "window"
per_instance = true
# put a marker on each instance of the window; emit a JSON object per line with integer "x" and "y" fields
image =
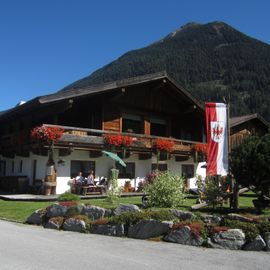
{"x": 161, "y": 167}
{"x": 2, "y": 168}
{"x": 132, "y": 123}
{"x": 81, "y": 166}
{"x": 158, "y": 127}
{"x": 187, "y": 170}
{"x": 126, "y": 172}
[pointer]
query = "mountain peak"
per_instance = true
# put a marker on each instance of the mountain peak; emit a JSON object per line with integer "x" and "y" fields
{"x": 211, "y": 59}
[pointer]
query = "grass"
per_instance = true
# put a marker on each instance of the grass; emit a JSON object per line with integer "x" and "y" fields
{"x": 19, "y": 211}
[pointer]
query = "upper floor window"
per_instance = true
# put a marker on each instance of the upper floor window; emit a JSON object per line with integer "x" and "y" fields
{"x": 158, "y": 127}
{"x": 132, "y": 123}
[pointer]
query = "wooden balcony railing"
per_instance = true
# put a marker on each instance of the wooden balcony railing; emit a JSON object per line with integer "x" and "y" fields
{"x": 84, "y": 137}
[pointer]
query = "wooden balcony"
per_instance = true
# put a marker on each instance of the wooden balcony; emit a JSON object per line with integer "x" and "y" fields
{"x": 92, "y": 139}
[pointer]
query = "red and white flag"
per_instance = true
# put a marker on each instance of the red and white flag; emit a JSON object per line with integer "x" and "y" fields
{"x": 217, "y": 138}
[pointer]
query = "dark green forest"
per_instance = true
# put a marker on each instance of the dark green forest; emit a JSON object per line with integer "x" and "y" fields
{"x": 210, "y": 60}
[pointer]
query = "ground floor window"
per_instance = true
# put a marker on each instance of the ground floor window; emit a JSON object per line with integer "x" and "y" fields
{"x": 77, "y": 166}
{"x": 187, "y": 170}
{"x": 161, "y": 167}
{"x": 126, "y": 172}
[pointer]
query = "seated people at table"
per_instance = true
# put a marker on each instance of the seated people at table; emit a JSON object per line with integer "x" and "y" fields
{"x": 90, "y": 179}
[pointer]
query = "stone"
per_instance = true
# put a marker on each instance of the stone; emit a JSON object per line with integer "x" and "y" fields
{"x": 108, "y": 213}
{"x": 109, "y": 229}
{"x": 56, "y": 210}
{"x": 256, "y": 245}
{"x": 183, "y": 215}
{"x": 231, "y": 239}
{"x": 184, "y": 236}
{"x": 74, "y": 225}
{"x": 37, "y": 218}
{"x": 123, "y": 208}
{"x": 211, "y": 219}
{"x": 93, "y": 212}
{"x": 149, "y": 228}
{"x": 54, "y": 223}
{"x": 239, "y": 218}
{"x": 266, "y": 238}
{"x": 74, "y": 210}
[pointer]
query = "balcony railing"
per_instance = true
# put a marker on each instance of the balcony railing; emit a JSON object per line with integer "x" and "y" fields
{"x": 84, "y": 137}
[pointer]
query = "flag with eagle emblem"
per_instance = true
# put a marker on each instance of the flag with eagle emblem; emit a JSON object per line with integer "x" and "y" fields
{"x": 217, "y": 138}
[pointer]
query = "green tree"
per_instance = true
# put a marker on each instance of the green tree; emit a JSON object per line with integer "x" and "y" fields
{"x": 250, "y": 164}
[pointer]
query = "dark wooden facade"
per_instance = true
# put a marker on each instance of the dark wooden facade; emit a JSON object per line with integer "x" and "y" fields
{"x": 243, "y": 126}
{"x": 152, "y": 105}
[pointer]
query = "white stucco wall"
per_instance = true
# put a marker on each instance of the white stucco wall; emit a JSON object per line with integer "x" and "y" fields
{"x": 102, "y": 167}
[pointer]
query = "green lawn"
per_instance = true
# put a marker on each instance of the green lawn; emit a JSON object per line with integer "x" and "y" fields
{"x": 19, "y": 211}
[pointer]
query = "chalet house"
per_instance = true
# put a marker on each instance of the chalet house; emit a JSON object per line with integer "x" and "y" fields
{"x": 144, "y": 108}
{"x": 242, "y": 126}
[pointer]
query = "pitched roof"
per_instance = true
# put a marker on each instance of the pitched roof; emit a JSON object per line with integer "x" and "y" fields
{"x": 101, "y": 88}
{"x": 235, "y": 121}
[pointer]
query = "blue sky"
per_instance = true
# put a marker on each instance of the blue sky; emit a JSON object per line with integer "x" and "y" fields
{"x": 48, "y": 44}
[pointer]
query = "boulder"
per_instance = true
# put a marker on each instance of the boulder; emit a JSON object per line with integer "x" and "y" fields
{"x": 231, "y": 239}
{"x": 211, "y": 219}
{"x": 56, "y": 210}
{"x": 183, "y": 215}
{"x": 123, "y": 208}
{"x": 109, "y": 229}
{"x": 256, "y": 245}
{"x": 184, "y": 236}
{"x": 149, "y": 228}
{"x": 75, "y": 210}
{"x": 266, "y": 238}
{"x": 74, "y": 225}
{"x": 37, "y": 218}
{"x": 239, "y": 218}
{"x": 93, "y": 212}
{"x": 54, "y": 223}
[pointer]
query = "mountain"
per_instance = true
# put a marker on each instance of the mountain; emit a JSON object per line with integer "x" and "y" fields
{"x": 211, "y": 60}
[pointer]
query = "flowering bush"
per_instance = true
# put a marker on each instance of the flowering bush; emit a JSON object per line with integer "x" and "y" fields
{"x": 46, "y": 134}
{"x": 118, "y": 140}
{"x": 201, "y": 148}
{"x": 163, "y": 145}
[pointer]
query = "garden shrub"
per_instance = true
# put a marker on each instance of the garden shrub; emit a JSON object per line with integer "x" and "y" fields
{"x": 114, "y": 192}
{"x": 67, "y": 196}
{"x": 264, "y": 227}
{"x": 215, "y": 189}
{"x": 101, "y": 221}
{"x": 130, "y": 218}
{"x": 167, "y": 190}
{"x": 68, "y": 203}
{"x": 251, "y": 230}
{"x": 197, "y": 228}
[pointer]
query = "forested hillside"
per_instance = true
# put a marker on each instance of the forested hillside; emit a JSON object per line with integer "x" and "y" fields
{"x": 211, "y": 60}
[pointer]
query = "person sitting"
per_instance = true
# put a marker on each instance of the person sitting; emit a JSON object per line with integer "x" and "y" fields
{"x": 90, "y": 179}
{"x": 79, "y": 178}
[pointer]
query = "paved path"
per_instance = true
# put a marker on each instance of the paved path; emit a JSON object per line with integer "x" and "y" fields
{"x": 27, "y": 247}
